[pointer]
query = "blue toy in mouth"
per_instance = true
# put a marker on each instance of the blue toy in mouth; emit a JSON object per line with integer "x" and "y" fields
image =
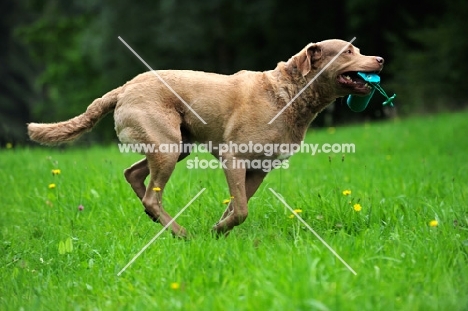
{"x": 359, "y": 103}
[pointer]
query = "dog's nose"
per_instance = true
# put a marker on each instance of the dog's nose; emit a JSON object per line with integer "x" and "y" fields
{"x": 380, "y": 60}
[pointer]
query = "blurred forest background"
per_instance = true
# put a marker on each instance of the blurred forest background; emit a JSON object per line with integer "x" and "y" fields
{"x": 57, "y": 56}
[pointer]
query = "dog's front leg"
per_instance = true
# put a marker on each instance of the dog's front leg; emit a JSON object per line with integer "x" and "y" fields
{"x": 253, "y": 180}
{"x": 238, "y": 210}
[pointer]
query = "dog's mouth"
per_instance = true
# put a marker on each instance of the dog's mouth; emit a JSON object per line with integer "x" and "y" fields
{"x": 353, "y": 83}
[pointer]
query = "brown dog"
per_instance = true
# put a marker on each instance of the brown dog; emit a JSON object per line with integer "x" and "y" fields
{"x": 238, "y": 108}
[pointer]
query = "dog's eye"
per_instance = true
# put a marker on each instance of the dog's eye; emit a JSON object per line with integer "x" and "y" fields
{"x": 349, "y": 51}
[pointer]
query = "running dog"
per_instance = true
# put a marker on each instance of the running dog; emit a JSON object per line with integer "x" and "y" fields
{"x": 170, "y": 106}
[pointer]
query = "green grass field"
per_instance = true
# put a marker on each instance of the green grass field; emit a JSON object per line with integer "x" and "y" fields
{"x": 404, "y": 174}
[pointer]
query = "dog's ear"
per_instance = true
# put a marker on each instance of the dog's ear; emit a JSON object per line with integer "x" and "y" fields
{"x": 307, "y": 57}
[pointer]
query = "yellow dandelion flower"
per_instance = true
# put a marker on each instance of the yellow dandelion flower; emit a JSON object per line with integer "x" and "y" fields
{"x": 346, "y": 192}
{"x": 226, "y": 201}
{"x": 56, "y": 172}
{"x": 175, "y": 285}
{"x": 156, "y": 189}
{"x": 9, "y": 145}
{"x": 52, "y": 186}
{"x": 331, "y": 130}
{"x": 297, "y": 211}
{"x": 357, "y": 207}
{"x": 433, "y": 223}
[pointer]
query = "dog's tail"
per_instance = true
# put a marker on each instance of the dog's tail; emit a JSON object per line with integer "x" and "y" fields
{"x": 56, "y": 133}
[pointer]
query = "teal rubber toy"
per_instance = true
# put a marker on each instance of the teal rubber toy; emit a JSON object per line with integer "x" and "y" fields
{"x": 359, "y": 103}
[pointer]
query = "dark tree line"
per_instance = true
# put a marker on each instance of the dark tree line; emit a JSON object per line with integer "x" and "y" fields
{"x": 57, "y": 56}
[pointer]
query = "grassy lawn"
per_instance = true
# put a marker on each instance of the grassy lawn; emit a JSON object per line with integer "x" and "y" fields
{"x": 404, "y": 174}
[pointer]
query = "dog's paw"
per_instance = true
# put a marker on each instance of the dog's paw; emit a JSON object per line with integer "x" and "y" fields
{"x": 181, "y": 233}
{"x": 220, "y": 230}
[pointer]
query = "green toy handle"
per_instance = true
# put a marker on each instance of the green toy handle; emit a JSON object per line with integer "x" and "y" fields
{"x": 359, "y": 103}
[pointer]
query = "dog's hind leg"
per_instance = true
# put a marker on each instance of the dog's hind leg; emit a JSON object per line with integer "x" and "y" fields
{"x": 136, "y": 175}
{"x": 161, "y": 166}
{"x": 156, "y": 128}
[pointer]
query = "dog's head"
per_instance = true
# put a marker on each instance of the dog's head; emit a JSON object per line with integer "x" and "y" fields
{"x": 336, "y": 63}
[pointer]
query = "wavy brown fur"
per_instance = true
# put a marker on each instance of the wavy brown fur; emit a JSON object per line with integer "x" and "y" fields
{"x": 60, "y": 132}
